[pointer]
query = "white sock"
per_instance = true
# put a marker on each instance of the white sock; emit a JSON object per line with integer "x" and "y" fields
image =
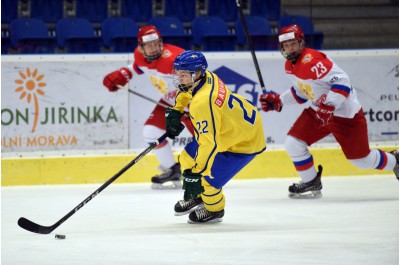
{"x": 377, "y": 159}
{"x": 165, "y": 156}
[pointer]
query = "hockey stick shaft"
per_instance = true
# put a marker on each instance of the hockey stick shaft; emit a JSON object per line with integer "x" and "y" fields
{"x": 39, "y": 229}
{"x": 251, "y": 47}
{"x": 147, "y": 98}
{"x": 143, "y": 96}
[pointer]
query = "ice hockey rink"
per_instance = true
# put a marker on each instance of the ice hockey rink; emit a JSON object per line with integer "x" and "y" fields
{"x": 355, "y": 222}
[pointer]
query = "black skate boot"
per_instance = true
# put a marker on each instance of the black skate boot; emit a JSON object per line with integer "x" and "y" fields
{"x": 169, "y": 179}
{"x": 183, "y": 207}
{"x": 201, "y": 216}
{"x": 308, "y": 190}
{"x": 396, "y": 167}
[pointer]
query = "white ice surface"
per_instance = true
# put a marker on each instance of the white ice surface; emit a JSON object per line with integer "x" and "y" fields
{"x": 355, "y": 222}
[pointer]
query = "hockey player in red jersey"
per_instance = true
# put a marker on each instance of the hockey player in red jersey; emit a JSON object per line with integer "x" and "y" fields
{"x": 154, "y": 59}
{"x": 335, "y": 110}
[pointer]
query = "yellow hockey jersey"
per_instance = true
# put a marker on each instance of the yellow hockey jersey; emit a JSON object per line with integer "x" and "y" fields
{"x": 223, "y": 121}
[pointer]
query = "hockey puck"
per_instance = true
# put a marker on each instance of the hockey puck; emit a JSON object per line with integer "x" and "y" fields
{"x": 60, "y": 236}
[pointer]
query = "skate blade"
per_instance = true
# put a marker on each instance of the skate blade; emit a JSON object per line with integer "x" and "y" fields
{"x": 306, "y": 195}
{"x": 213, "y": 221}
{"x": 169, "y": 185}
{"x": 189, "y": 211}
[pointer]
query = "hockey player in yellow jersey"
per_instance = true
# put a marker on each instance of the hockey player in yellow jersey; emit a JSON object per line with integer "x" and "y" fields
{"x": 228, "y": 135}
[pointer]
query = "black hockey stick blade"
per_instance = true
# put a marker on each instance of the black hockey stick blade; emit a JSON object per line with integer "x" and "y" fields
{"x": 34, "y": 227}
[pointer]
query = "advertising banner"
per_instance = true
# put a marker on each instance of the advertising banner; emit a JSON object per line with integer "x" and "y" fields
{"x": 54, "y": 102}
{"x": 60, "y": 104}
{"x": 374, "y": 76}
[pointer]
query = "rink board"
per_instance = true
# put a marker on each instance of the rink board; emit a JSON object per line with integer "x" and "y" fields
{"x": 98, "y": 169}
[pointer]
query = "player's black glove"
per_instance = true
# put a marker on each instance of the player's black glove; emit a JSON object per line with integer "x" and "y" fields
{"x": 173, "y": 122}
{"x": 191, "y": 184}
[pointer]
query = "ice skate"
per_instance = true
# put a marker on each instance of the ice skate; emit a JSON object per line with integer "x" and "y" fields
{"x": 183, "y": 207}
{"x": 396, "y": 167}
{"x": 169, "y": 179}
{"x": 308, "y": 190}
{"x": 201, "y": 216}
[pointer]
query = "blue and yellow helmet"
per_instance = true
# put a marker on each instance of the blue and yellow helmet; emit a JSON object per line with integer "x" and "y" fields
{"x": 192, "y": 61}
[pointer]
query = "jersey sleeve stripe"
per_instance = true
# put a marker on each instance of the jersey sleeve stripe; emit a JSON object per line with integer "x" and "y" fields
{"x": 298, "y": 99}
{"x": 343, "y": 90}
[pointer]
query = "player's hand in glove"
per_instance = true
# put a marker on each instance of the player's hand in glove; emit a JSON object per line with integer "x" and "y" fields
{"x": 120, "y": 77}
{"x": 173, "y": 122}
{"x": 270, "y": 102}
{"x": 191, "y": 185}
{"x": 324, "y": 112}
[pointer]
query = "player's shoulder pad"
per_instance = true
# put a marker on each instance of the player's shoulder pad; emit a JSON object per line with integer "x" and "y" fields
{"x": 138, "y": 61}
{"x": 138, "y": 57}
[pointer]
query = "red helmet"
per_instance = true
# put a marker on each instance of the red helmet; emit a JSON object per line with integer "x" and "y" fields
{"x": 292, "y": 32}
{"x": 148, "y": 33}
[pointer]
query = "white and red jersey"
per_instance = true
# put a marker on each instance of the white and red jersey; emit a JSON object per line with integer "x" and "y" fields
{"x": 159, "y": 71}
{"x": 313, "y": 75}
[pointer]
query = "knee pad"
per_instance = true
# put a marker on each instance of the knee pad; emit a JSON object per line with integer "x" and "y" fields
{"x": 296, "y": 148}
{"x": 152, "y": 133}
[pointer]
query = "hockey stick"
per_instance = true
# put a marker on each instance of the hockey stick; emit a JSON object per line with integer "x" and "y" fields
{"x": 36, "y": 228}
{"x": 143, "y": 96}
{"x": 147, "y": 98}
{"x": 251, "y": 47}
